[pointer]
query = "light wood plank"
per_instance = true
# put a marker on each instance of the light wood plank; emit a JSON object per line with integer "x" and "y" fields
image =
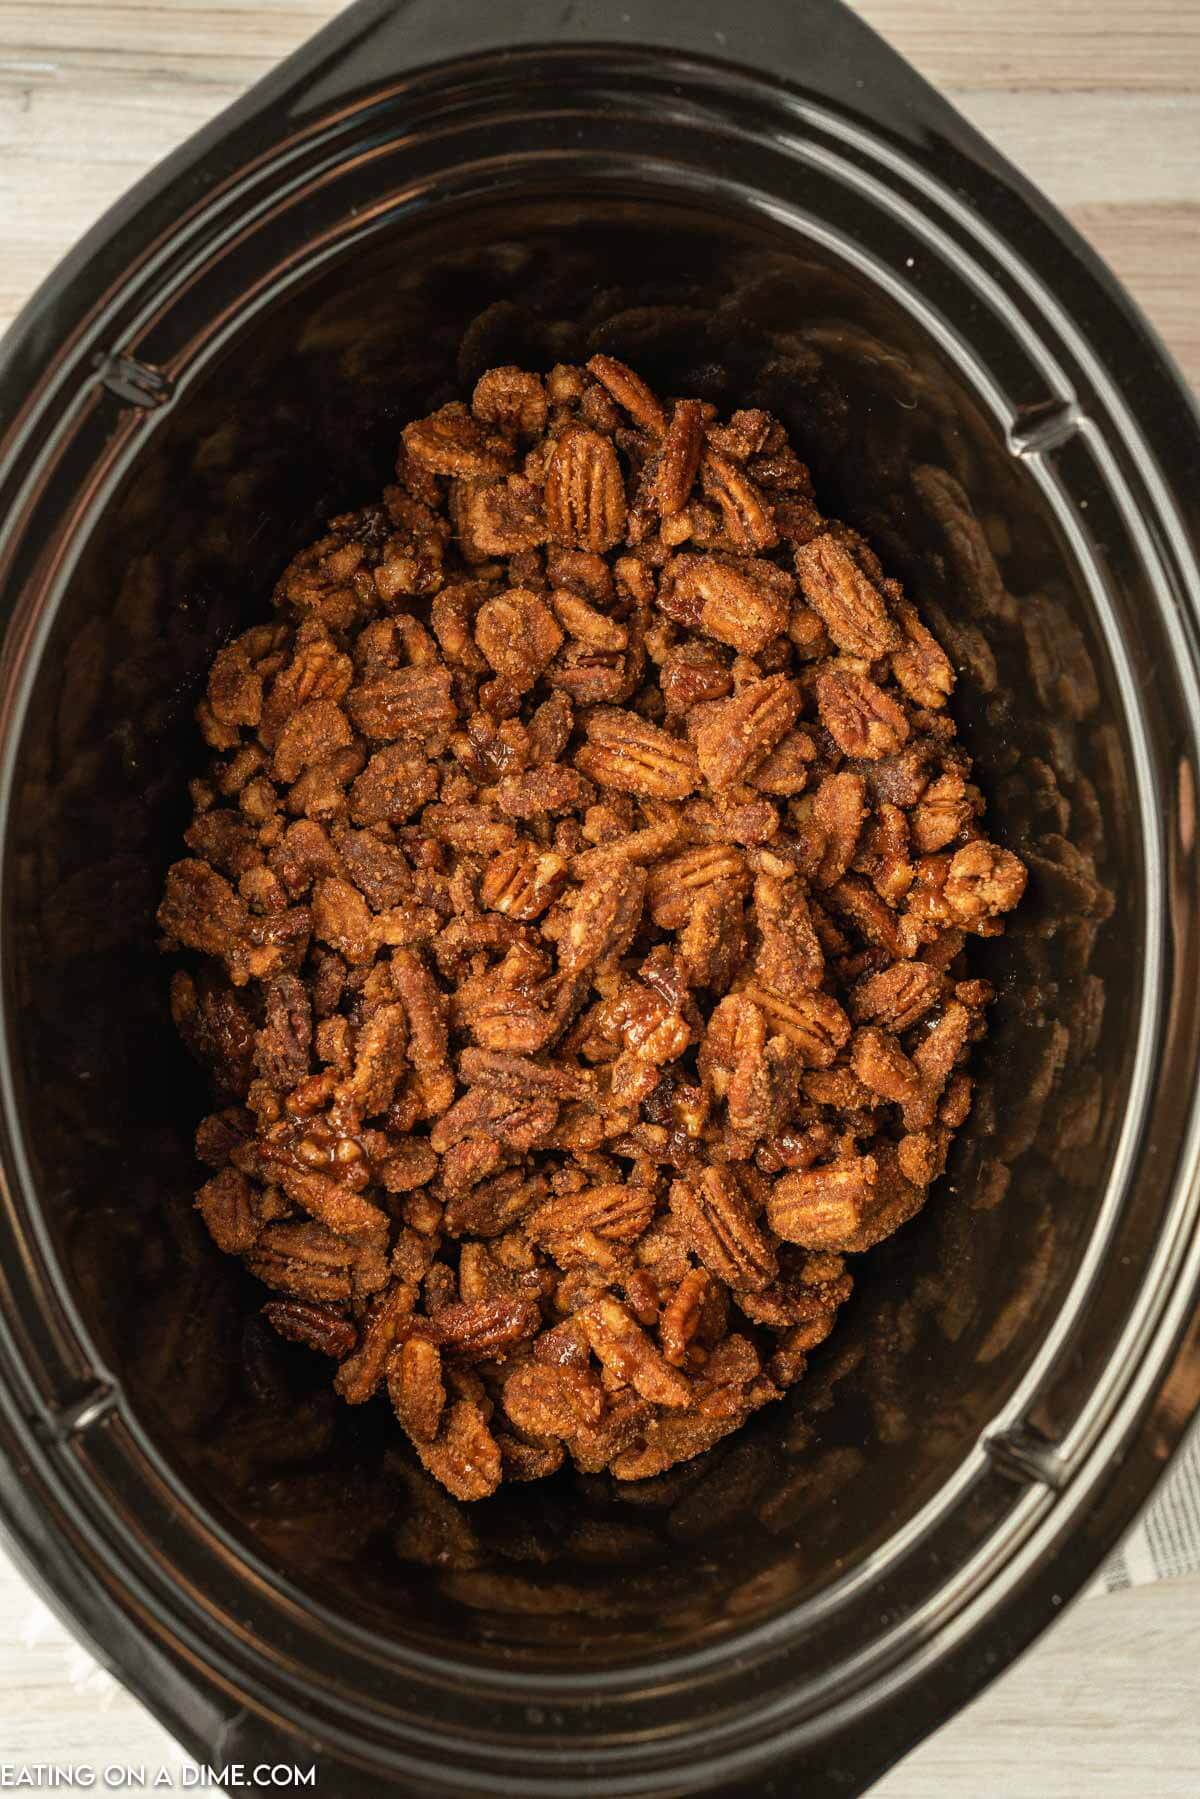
{"x": 1103, "y": 1707}
{"x": 1156, "y": 252}
{"x": 1054, "y": 44}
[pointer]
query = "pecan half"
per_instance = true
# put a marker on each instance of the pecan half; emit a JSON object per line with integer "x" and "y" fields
{"x": 585, "y": 494}
{"x": 630, "y": 1356}
{"x": 813, "y": 1023}
{"x": 719, "y": 1227}
{"x": 487, "y": 1329}
{"x": 675, "y": 884}
{"x": 464, "y": 1455}
{"x": 734, "y": 736}
{"x": 627, "y": 753}
{"x": 629, "y": 391}
{"x": 412, "y": 705}
{"x": 613, "y": 1211}
{"x": 850, "y": 604}
{"x": 859, "y": 716}
{"x": 451, "y": 442}
{"x": 416, "y": 1389}
{"x": 743, "y": 603}
{"x": 747, "y": 515}
{"x": 679, "y": 457}
{"x": 317, "y": 1327}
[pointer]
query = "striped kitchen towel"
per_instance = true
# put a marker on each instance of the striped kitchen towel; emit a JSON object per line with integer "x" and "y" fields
{"x": 1165, "y": 1541}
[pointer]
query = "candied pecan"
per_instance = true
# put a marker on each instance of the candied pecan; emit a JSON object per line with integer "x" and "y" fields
{"x": 451, "y": 442}
{"x": 521, "y": 883}
{"x": 409, "y": 705}
{"x": 683, "y": 1315}
{"x": 415, "y": 1387}
{"x": 306, "y": 1260}
{"x": 692, "y": 673}
{"x": 921, "y": 1155}
{"x": 630, "y": 1356}
{"x": 679, "y": 457}
{"x": 785, "y": 770}
{"x": 719, "y": 1227}
{"x": 743, "y": 603}
{"x": 628, "y": 753}
{"x": 394, "y": 784}
{"x": 847, "y": 1205}
{"x": 881, "y": 1064}
{"x": 511, "y": 399}
{"x": 502, "y": 1017}
{"x": 409, "y": 1163}
{"x": 944, "y": 812}
{"x": 464, "y": 1455}
{"x": 491, "y": 1207}
{"x": 898, "y": 996}
{"x": 850, "y": 604}
{"x": 201, "y": 910}
{"x": 521, "y": 1075}
{"x": 317, "y": 1327}
{"x": 451, "y": 618}
{"x": 754, "y": 1074}
{"x": 225, "y": 840}
{"x": 227, "y": 1206}
{"x": 481, "y": 1111}
{"x": 543, "y": 792}
{"x": 321, "y": 790}
{"x": 858, "y": 903}
{"x": 518, "y": 634}
{"x": 283, "y": 1046}
{"x": 216, "y": 1029}
{"x": 378, "y": 1054}
{"x": 938, "y": 1052}
{"x": 859, "y": 716}
{"x": 747, "y": 515}
{"x": 485, "y": 1329}
{"x": 673, "y": 885}
{"x": 733, "y": 736}
{"x": 922, "y": 666}
{"x": 341, "y": 919}
{"x": 331, "y": 1203}
{"x": 789, "y": 957}
{"x": 806, "y": 1293}
{"x": 813, "y": 1023}
{"x": 585, "y": 493}
{"x": 604, "y": 914}
{"x": 712, "y": 941}
{"x": 545, "y": 1400}
{"x": 616, "y": 1211}
{"x": 629, "y": 391}
{"x": 983, "y": 880}
{"x": 235, "y": 688}
{"x": 425, "y": 1004}
{"x": 312, "y": 733}
{"x": 821, "y": 1208}
{"x": 586, "y": 623}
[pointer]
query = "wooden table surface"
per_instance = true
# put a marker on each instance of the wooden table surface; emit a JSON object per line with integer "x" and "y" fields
{"x": 1099, "y": 102}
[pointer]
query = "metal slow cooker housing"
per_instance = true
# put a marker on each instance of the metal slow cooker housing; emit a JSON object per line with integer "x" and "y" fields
{"x": 760, "y": 201}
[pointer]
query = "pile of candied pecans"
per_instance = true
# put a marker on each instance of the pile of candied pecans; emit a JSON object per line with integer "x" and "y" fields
{"x": 578, "y": 899}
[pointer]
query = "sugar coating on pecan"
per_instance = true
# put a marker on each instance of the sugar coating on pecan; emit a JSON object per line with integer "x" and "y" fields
{"x": 574, "y": 928}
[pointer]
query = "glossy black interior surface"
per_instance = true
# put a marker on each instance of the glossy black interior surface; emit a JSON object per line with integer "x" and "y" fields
{"x": 300, "y": 419}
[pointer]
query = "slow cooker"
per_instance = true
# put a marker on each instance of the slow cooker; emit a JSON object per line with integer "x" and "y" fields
{"x": 759, "y": 201}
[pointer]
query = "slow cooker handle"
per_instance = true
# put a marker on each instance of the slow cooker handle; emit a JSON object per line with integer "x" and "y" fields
{"x": 818, "y": 47}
